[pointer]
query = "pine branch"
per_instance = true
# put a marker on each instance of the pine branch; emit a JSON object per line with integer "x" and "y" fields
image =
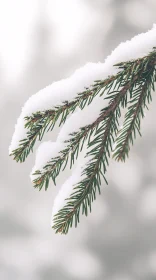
{"x": 131, "y": 87}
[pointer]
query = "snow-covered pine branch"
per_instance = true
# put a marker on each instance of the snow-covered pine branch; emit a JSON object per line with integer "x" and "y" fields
{"x": 89, "y": 112}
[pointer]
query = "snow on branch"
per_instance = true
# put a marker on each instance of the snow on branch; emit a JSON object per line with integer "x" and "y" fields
{"x": 89, "y": 105}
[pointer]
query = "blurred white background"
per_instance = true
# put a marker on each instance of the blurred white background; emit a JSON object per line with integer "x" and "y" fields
{"x": 42, "y": 41}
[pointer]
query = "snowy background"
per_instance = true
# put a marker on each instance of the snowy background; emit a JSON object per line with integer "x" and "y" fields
{"x": 42, "y": 41}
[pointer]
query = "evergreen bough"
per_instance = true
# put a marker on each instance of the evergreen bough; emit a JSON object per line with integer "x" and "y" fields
{"x": 130, "y": 88}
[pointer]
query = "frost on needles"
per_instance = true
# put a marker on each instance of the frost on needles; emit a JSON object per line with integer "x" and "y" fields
{"x": 88, "y": 107}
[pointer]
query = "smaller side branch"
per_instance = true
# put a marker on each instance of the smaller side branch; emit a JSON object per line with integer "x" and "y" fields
{"x": 132, "y": 124}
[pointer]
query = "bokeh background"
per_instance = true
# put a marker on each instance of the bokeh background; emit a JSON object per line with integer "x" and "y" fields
{"x": 42, "y": 41}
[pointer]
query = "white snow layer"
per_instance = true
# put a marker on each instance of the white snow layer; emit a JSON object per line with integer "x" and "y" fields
{"x": 67, "y": 89}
